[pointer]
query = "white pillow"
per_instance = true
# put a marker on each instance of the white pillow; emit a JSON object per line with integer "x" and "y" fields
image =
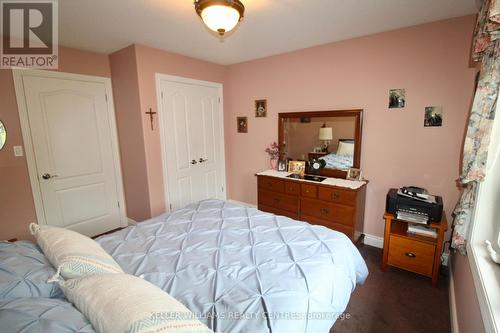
{"x": 125, "y": 303}
{"x": 345, "y": 148}
{"x": 73, "y": 254}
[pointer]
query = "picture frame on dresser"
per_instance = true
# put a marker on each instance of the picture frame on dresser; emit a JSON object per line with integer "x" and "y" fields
{"x": 354, "y": 174}
{"x": 282, "y": 165}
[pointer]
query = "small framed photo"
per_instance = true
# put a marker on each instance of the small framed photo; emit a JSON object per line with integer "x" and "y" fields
{"x": 242, "y": 124}
{"x": 281, "y": 165}
{"x": 297, "y": 167}
{"x": 397, "y": 98}
{"x": 354, "y": 174}
{"x": 261, "y": 108}
{"x": 433, "y": 116}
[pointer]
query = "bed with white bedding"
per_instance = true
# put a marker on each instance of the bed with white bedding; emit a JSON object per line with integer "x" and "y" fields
{"x": 242, "y": 270}
{"x": 336, "y": 161}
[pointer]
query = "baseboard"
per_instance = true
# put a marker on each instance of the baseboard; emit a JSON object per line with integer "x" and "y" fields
{"x": 453, "y": 305}
{"x": 242, "y": 203}
{"x": 375, "y": 241}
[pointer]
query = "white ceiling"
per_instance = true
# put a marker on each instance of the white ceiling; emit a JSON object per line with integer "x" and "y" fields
{"x": 270, "y": 26}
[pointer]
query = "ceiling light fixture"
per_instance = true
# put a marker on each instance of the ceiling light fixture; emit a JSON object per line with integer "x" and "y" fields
{"x": 220, "y": 16}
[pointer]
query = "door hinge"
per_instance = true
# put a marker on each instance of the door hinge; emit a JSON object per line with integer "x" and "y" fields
{"x": 118, "y": 204}
{"x": 170, "y": 205}
{"x": 219, "y": 100}
{"x": 222, "y": 187}
{"x": 106, "y": 97}
{"x": 162, "y": 95}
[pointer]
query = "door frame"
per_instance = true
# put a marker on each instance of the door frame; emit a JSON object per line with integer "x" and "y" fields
{"x": 179, "y": 79}
{"x": 18, "y": 74}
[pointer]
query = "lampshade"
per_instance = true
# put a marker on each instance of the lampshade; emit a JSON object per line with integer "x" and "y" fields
{"x": 325, "y": 133}
{"x": 220, "y": 16}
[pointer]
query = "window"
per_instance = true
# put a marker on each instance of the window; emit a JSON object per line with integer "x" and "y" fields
{"x": 486, "y": 226}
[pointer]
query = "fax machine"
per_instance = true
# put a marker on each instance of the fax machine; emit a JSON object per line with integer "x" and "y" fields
{"x": 414, "y": 205}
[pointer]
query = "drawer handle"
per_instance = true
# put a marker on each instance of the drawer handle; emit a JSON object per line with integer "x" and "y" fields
{"x": 410, "y": 255}
{"x": 335, "y": 196}
{"x": 324, "y": 211}
{"x": 276, "y": 200}
{"x": 269, "y": 184}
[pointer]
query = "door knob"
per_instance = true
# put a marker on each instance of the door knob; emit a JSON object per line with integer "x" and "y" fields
{"x": 193, "y": 162}
{"x": 48, "y": 176}
{"x": 202, "y": 160}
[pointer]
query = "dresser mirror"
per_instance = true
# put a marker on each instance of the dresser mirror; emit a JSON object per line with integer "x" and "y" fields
{"x": 331, "y": 136}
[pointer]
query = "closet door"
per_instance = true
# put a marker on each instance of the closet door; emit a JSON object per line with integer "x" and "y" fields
{"x": 192, "y": 140}
{"x": 70, "y": 125}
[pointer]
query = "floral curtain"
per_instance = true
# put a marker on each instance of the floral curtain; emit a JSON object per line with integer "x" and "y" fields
{"x": 486, "y": 49}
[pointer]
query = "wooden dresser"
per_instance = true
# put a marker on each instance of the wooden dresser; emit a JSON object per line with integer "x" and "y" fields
{"x": 335, "y": 207}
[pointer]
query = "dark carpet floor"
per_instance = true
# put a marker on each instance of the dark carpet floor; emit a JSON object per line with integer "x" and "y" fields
{"x": 395, "y": 301}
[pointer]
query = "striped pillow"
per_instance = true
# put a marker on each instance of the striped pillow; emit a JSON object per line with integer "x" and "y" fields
{"x": 73, "y": 254}
{"x": 122, "y": 303}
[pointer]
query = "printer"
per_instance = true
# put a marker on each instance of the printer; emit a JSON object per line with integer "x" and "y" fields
{"x": 415, "y": 205}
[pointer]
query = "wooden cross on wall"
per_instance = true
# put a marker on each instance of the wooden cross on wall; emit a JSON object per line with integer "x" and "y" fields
{"x": 151, "y": 114}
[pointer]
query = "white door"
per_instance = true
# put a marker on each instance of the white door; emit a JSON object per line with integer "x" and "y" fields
{"x": 192, "y": 140}
{"x": 72, "y": 134}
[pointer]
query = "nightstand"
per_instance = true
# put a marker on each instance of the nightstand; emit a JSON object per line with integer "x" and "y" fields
{"x": 414, "y": 253}
{"x": 316, "y": 155}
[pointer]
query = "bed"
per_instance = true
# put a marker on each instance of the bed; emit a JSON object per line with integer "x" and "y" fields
{"x": 336, "y": 161}
{"x": 242, "y": 270}
{"x": 28, "y": 303}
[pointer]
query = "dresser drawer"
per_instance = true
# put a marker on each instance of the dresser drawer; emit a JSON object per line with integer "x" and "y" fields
{"x": 271, "y": 184}
{"x": 411, "y": 255}
{"x": 292, "y": 188}
{"x": 327, "y": 211}
{"x": 278, "y": 200}
{"x": 347, "y": 230}
{"x": 277, "y": 211}
{"x": 337, "y": 196}
{"x": 309, "y": 191}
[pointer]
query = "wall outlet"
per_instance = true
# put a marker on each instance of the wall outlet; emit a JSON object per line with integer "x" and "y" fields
{"x": 18, "y": 151}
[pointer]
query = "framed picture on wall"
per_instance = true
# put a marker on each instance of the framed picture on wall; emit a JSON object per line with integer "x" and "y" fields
{"x": 397, "y": 98}
{"x": 242, "y": 123}
{"x": 433, "y": 116}
{"x": 261, "y": 108}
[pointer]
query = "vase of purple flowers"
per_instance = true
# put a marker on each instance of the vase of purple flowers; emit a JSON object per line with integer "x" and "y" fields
{"x": 274, "y": 154}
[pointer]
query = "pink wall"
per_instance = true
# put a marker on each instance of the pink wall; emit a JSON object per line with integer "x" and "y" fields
{"x": 468, "y": 311}
{"x": 17, "y": 209}
{"x": 149, "y": 62}
{"x": 130, "y": 133}
{"x": 430, "y": 61}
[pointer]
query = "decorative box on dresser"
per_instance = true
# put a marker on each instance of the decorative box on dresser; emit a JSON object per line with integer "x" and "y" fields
{"x": 338, "y": 204}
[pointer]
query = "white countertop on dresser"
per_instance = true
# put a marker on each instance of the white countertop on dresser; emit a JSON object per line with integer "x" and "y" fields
{"x": 352, "y": 184}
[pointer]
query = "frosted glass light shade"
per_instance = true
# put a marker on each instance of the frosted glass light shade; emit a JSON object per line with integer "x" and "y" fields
{"x": 325, "y": 133}
{"x": 220, "y": 18}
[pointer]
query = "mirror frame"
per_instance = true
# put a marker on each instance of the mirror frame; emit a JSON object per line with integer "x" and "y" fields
{"x": 357, "y": 113}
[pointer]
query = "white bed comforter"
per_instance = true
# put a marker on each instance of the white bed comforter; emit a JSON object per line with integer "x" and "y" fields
{"x": 243, "y": 270}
